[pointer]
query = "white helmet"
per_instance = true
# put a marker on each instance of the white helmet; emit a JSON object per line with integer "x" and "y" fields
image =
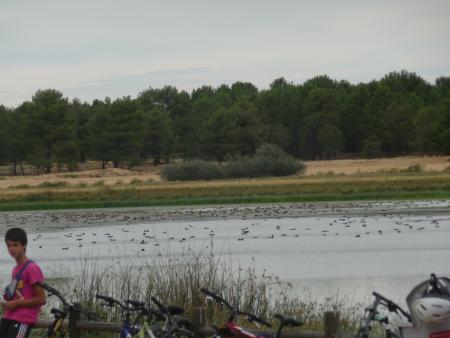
{"x": 434, "y": 305}
{"x": 432, "y": 310}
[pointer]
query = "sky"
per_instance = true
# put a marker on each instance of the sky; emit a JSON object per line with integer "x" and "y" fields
{"x": 96, "y": 48}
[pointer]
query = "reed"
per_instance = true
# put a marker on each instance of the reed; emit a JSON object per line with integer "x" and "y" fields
{"x": 177, "y": 279}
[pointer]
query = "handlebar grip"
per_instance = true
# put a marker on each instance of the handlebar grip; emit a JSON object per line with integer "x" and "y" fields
{"x": 161, "y": 307}
{"x": 256, "y": 319}
{"x": 106, "y": 298}
{"x": 216, "y": 298}
{"x": 376, "y": 294}
{"x": 262, "y": 321}
{"x": 209, "y": 293}
{"x": 135, "y": 303}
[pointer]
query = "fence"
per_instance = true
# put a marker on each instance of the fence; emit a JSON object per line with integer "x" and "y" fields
{"x": 75, "y": 326}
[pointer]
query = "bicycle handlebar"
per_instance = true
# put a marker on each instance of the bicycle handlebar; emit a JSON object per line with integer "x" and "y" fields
{"x": 160, "y": 306}
{"x": 216, "y": 298}
{"x": 111, "y": 301}
{"x": 54, "y": 292}
{"x": 288, "y": 321}
{"x": 391, "y": 306}
{"x": 73, "y": 307}
{"x": 89, "y": 314}
{"x": 365, "y": 325}
{"x": 253, "y": 318}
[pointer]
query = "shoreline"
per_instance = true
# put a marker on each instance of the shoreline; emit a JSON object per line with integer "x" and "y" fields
{"x": 47, "y": 220}
{"x": 227, "y": 200}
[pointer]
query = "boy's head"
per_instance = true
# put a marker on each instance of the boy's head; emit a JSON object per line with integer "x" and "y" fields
{"x": 16, "y": 241}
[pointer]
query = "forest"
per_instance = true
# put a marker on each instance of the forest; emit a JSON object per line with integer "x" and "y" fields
{"x": 321, "y": 118}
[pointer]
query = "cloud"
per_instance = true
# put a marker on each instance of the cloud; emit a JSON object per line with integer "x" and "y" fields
{"x": 100, "y": 48}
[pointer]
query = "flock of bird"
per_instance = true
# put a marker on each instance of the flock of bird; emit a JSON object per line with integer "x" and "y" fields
{"x": 155, "y": 227}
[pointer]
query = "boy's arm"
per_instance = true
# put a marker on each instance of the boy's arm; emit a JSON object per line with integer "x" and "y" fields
{"x": 38, "y": 299}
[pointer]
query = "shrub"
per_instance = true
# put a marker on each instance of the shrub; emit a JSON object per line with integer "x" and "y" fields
{"x": 416, "y": 168}
{"x": 192, "y": 170}
{"x": 19, "y": 186}
{"x": 275, "y": 162}
{"x": 269, "y": 160}
{"x": 47, "y": 184}
{"x": 99, "y": 183}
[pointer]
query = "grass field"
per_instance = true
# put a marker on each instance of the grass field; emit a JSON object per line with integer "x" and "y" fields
{"x": 427, "y": 177}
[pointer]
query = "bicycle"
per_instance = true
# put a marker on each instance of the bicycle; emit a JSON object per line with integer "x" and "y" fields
{"x": 146, "y": 328}
{"x": 373, "y": 315}
{"x": 230, "y": 328}
{"x": 127, "y": 330}
{"x": 175, "y": 325}
{"x": 55, "y": 329}
{"x": 285, "y": 322}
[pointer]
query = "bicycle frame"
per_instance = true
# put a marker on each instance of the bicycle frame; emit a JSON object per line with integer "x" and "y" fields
{"x": 145, "y": 331}
{"x": 55, "y": 329}
{"x": 230, "y": 327}
{"x": 372, "y": 315}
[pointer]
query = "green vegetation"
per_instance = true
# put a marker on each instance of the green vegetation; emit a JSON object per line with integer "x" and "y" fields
{"x": 407, "y": 185}
{"x": 318, "y": 119}
{"x": 268, "y": 161}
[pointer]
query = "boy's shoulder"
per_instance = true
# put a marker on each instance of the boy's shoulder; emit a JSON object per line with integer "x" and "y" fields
{"x": 34, "y": 270}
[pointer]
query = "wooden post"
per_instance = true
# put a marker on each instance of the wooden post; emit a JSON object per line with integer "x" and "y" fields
{"x": 199, "y": 317}
{"x": 331, "y": 324}
{"x": 74, "y": 317}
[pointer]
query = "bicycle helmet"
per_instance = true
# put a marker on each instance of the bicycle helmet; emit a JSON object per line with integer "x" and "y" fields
{"x": 434, "y": 305}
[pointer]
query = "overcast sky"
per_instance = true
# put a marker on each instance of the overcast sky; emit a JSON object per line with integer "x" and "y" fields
{"x": 96, "y": 48}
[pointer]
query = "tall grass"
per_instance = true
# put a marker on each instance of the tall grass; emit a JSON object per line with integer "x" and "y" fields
{"x": 177, "y": 279}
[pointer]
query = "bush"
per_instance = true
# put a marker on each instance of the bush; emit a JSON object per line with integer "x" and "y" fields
{"x": 416, "y": 168}
{"x": 192, "y": 170}
{"x": 273, "y": 161}
{"x": 269, "y": 160}
{"x": 47, "y": 184}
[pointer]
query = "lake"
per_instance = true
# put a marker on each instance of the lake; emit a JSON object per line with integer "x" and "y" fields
{"x": 345, "y": 248}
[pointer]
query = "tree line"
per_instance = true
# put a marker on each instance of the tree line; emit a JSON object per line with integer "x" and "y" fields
{"x": 321, "y": 118}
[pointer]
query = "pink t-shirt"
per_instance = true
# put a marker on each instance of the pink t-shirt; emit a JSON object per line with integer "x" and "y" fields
{"x": 30, "y": 276}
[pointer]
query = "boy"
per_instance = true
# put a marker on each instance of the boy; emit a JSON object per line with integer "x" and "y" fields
{"x": 21, "y": 308}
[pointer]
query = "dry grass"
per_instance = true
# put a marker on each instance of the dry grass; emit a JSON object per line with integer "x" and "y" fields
{"x": 291, "y": 186}
{"x": 110, "y": 176}
{"x": 350, "y": 167}
{"x": 89, "y": 174}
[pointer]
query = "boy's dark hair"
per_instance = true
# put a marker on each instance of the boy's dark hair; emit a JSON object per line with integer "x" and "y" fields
{"x": 16, "y": 235}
